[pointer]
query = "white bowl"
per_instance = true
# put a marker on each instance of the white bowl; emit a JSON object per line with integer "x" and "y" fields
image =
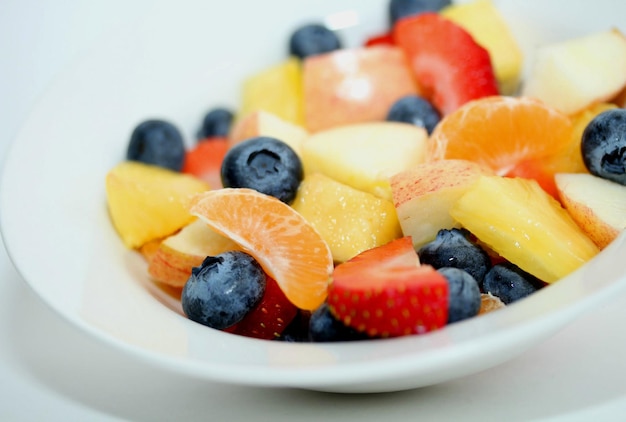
{"x": 178, "y": 61}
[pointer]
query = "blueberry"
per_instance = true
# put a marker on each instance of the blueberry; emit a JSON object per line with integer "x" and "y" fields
{"x": 216, "y": 123}
{"x": 510, "y": 283}
{"x": 402, "y": 8}
{"x": 452, "y": 248}
{"x": 298, "y": 329}
{"x": 157, "y": 142}
{"x": 463, "y": 294}
{"x": 603, "y": 145}
{"x": 221, "y": 291}
{"x": 414, "y": 110}
{"x": 324, "y": 327}
{"x": 265, "y": 164}
{"x": 313, "y": 39}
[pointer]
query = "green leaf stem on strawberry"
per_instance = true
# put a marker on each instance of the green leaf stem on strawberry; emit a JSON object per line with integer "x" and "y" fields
{"x": 385, "y": 292}
{"x": 450, "y": 67}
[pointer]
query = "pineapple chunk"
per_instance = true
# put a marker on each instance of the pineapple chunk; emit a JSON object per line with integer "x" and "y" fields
{"x": 365, "y": 155}
{"x": 276, "y": 90}
{"x": 520, "y": 221}
{"x": 487, "y": 26}
{"x": 349, "y": 220}
{"x": 147, "y": 202}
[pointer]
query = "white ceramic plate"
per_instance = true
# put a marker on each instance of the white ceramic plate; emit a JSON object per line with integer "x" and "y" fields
{"x": 178, "y": 61}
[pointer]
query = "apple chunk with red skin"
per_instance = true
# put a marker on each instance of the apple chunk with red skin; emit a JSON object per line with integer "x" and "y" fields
{"x": 354, "y": 85}
{"x": 424, "y": 194}
{"x": 597, "y": 205}
{"x": 172, "y": 262}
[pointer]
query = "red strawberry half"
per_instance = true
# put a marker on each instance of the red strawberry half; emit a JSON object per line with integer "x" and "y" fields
{"x": 205, "y": 160}
{"x": 269, "y": 317}
{"x": 450, "y": 67}
{"x": 386, "y": 293}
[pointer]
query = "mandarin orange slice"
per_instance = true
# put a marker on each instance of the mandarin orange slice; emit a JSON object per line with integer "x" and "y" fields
{"x": 514, "y": 136}
{"x": 288, "y": 248}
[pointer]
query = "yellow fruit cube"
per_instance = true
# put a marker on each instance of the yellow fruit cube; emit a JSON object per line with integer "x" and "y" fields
{"x": 148, "y": 202}
{"x": 516, "y": 218}
{"x": 277, "y": 90}
{"x": 349, "y": 220}
{"x": 485, "y": 23}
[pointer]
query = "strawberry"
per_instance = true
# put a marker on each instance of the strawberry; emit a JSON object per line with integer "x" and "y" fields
{"x": 380, "y": 39}
{"x": 269, "y": 317}
{"x": 449, "y": 66}
{"x": 385, "y": 292}
{"x": 205, "y": 160}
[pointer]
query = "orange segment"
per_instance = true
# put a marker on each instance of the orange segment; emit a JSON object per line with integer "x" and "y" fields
{"x": 281, "y": 240}
{"x": 512, "y": 136}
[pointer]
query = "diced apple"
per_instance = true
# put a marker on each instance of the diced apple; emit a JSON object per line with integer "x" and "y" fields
{"x": 354, "y": 85}
{"x": 571, "y": 75}
{"x": 597, "y": 205}
{"x": 148, "y": 202}
{"x": 424, "y": 194}
{"x": 263, "y": 123}
{"x": 485, "y": 23}
{"x": 172, "y": 262}
{"x": 277, "y": 90}
{"x": 349, "y": 220}
{"x": 365, "y": 155}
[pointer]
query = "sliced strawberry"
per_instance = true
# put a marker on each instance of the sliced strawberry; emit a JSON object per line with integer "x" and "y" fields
{"x": 448, "y": 64}
{"x": 205, "y": 160}
{"x": 385, "y": 292}
{"x": 380, "y": 39}
{"x": 269, "y": 317}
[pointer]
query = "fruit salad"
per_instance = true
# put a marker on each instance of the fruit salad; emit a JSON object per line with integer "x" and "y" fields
{"x": 387, "y": 189}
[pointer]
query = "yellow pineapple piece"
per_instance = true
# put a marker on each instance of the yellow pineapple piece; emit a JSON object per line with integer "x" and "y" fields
{"x": 516, "y": 218}
{"x": 276, "y": 90}
{"x": 571, "y": 160}
{"x": 487, "y": 26}
{"x": 148, "y": 202}
{"x": 349, "y": 220}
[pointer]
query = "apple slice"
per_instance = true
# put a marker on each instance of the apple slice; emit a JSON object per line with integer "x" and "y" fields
{"x": 424, "y": 194}
{"x": 354, "y": 85}
{"x": 574, "y": 74}
{"x": 263, "y": 123}
{"x": 365, "y": 155}
{"x": 173, "y": 260}
{"x": 597, "y": 205}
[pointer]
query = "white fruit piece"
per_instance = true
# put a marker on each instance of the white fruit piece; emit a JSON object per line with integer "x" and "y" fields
{"x": 424, "y": 194}
{"x": 597, "y": 205}
{"x": 574, "y": 74}
{"x": 365, "y": 155}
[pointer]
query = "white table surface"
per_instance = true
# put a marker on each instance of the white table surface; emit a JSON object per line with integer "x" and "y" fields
{"x": 50, "y": 371}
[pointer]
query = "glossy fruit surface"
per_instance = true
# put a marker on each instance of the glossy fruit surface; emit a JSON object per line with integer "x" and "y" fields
{"x": 522, "y": 223}
{"x": 288, "y": 248}
{"x": 204, "y": 160}
{"x": 157, "y": 142}
{"x": 223, "y": 289}
{"x": 512, "y": 136}
{"x": 264, "y": 164}
{"x": 399, "y": 9}
{"x": 449, "y": 66}
{"x": 510, "y": 283}
{"x": 603, "y": 146}
{"x": 385, "y": 292}
{"x": 325, "y": 327}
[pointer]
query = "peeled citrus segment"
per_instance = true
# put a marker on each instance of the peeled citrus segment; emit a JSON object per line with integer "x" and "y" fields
{"x": 288, "y": 248}
{"x": 512, "y": 136}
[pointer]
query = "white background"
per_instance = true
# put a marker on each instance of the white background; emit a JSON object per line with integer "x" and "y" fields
{"x": 51, "y": 371}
